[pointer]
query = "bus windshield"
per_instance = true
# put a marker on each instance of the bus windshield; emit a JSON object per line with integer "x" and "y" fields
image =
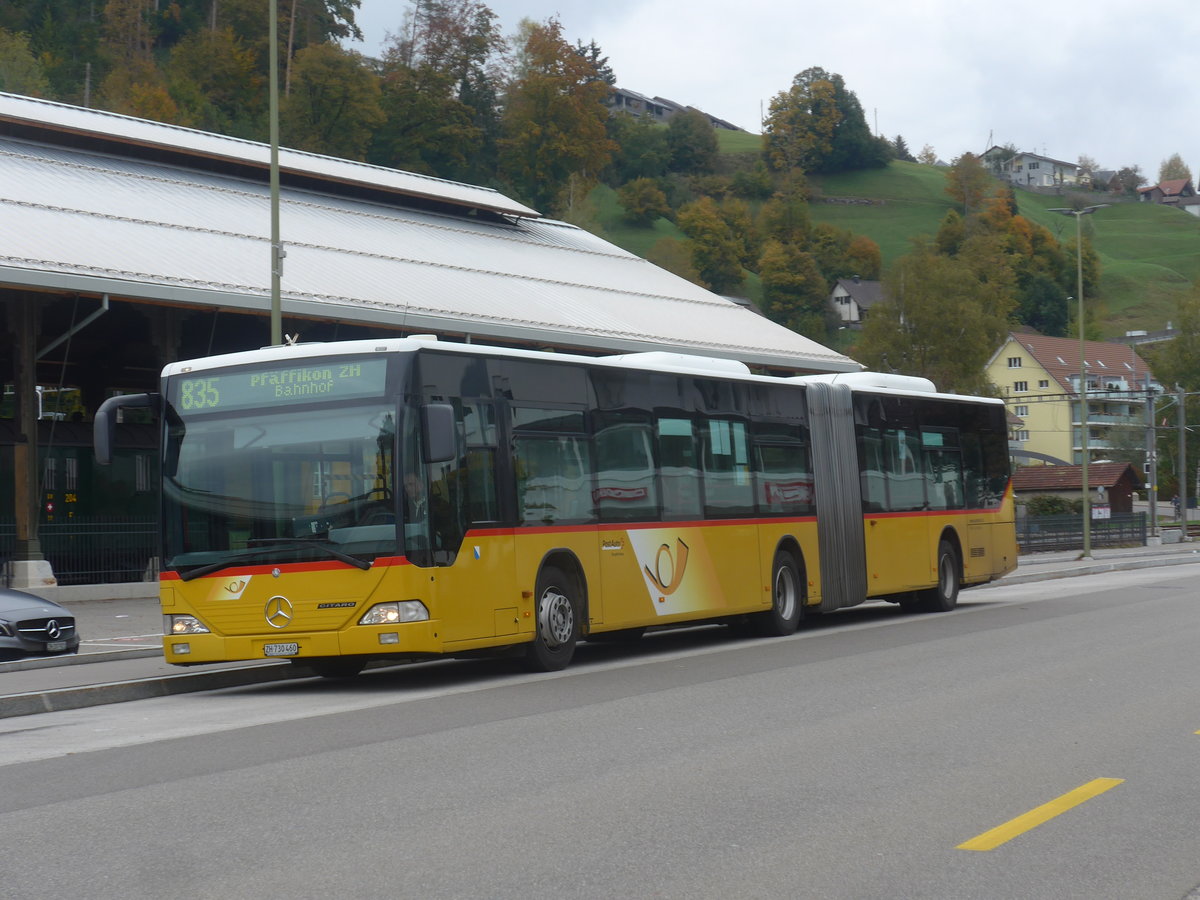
{"x": 260, "y": 485}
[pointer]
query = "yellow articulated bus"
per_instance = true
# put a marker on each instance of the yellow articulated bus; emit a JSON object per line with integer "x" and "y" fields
{"x": 334, "y": 504}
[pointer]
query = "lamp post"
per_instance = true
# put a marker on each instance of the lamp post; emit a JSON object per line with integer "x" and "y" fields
{"x": 1083, "y": 410}
{"x": 277, "y": 253}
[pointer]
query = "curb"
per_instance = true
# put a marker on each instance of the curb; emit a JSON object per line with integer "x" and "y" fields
{"x": 75, "y": 659}
{"x": 145, "y": 689}
{"x": 1095, "y": 568}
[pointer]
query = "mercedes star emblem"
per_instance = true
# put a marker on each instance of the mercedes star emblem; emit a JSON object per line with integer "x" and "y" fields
{"x": 279, "y": 612}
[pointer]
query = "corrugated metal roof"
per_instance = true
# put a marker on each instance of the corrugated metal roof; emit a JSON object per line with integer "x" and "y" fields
{"x": 46, "y": 114}
{"x": 80, "y": 220}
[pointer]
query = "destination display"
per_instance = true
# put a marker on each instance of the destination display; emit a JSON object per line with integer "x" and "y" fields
{"x": 256, "y": 388}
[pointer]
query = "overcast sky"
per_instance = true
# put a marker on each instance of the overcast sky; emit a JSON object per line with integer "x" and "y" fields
{"x": 1115, "y": 80}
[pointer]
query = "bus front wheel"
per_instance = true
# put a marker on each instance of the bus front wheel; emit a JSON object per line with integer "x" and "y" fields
{"x": 787, "y": 599}
{"x": 558, "y": 611}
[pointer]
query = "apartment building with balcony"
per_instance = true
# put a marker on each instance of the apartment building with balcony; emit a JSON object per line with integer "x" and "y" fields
{"x": 1038, "y": 377}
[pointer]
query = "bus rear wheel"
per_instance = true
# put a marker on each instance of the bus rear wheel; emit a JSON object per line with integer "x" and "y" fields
{"x": 943, "y": 596}
{"x": 787, "y": 599}
{"x": 558, "y": 611}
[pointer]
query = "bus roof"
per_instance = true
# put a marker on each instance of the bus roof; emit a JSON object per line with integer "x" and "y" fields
{"x": 657, "y": 361}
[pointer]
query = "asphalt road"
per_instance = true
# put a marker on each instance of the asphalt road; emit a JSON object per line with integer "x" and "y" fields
{"x": 1052, "y": 725}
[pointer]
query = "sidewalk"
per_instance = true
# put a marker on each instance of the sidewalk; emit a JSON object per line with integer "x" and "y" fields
{"x": 120, "y": 657}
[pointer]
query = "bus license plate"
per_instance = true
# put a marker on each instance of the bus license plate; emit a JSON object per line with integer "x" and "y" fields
{"x": 281, "y": 649}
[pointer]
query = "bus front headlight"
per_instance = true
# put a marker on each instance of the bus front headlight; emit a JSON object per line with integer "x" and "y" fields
{"x": 183, "y": 625}
{"x": 395, "y": 612}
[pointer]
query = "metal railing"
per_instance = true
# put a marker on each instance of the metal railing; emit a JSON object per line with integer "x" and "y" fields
{"x": 1066, "y": 532}
{"x": 92, "y": 549}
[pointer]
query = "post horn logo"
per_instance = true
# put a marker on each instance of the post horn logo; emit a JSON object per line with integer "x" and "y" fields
{"x": 668, "y": 567}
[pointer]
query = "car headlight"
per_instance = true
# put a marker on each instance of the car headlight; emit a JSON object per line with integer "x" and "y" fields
{"x": 183, "y": 625}
{"x": 393, "y": 613}
{"x": 5, "y": 628}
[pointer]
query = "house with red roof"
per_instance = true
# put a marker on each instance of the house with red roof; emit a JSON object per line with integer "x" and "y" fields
{"x": 1110, "y": 484}
{"x": 1038, "y": 376}
{"x": 1177, "y": 192}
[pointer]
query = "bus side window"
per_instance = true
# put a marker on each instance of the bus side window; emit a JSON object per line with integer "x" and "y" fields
{"x": 625, "y": 483}
{"x": 870, "y": 460}
{"x": 554, "y": 479}
{"x": 943, "y": 468}
{"x": 479, "y": 434}
{"x": 905, "y": 470}
{"x": 783, "y": 472}
{"x": 678, "y": 469}
{"x": 727, "y": 485}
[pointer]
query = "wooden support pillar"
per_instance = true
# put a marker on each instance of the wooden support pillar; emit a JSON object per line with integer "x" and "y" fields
{"x": 28, "y": 568}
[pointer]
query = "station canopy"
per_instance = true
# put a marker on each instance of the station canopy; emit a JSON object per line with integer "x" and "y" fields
{"x": 101, "y": 204}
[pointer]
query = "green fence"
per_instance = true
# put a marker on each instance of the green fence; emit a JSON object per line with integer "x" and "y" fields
{"x": 92, "y": 549}
{"x": 1036, "y": 533}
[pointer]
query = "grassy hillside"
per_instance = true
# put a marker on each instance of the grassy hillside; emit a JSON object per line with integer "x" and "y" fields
{"x": 1149, "y": 254}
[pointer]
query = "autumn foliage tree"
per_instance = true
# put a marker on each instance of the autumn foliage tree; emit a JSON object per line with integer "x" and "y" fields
{"x": 795, "y": 293}
{"x": 643, "y": 201}
{"x": 968, "y": 183}
{"x": 554, "y": 120}
{"x": 1172, "y": 168}
{"x": 716, "y": 250}
{"x": 818, "y": 125}
{"x": 939, "y": 321}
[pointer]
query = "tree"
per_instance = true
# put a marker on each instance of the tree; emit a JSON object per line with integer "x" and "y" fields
{"x": 818, "y": 125}
{"x": 785, "y": 216}
{"x": 795, "y": 294}
{"x": 1172, "y": 168}
{"x": 641, "y": 148}
{"x": 440, "y": 88}
{"x": 595, "y": 56}
{"x": 692, "y": 142}
{"x": 753, "y": 183}
{"x": 927, "y": 156}
{"x": 20, "y": 72}
{"x": 214, "y": 79}
{"x": 799, "y": 130}
{"x": 716, "y": 251}
{"x": 901, "y": 151}
{"x": 938, "y": 321}
{"x": 643, "y": 201}
{"x": 1131, "y": 178}
{"x": 865, "y": 257}
{"x": 334, "y": 105}
{"x": 1176, "y": 363}
{"x": 426, "y": 129}
{"x": 554, "y": 120}
{"x": 1088, "y": 167}
{"x": 968, "y": 182}
{"x": 1042, "y": 304}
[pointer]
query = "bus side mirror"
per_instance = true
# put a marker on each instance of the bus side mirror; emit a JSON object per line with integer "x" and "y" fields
{"x": 440, "y": 436}
{"x": 106, "y": 421}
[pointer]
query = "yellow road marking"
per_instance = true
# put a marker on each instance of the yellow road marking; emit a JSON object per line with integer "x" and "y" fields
{"x": 1002, "y": 834}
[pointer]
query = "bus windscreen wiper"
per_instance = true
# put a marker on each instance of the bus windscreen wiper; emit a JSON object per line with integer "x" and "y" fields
{"x": 208, "y": 569}
{"x": 322, "y": 544}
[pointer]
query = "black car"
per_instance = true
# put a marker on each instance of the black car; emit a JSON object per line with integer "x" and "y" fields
{"x": 31, "y": 626}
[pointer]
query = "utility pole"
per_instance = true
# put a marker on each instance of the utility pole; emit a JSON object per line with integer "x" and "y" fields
{"x": 1151, "y": 459}
{"x": 1181, "y": 465}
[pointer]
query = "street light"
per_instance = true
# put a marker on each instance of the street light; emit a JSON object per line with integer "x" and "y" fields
{"x": 1083, "y": 410}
